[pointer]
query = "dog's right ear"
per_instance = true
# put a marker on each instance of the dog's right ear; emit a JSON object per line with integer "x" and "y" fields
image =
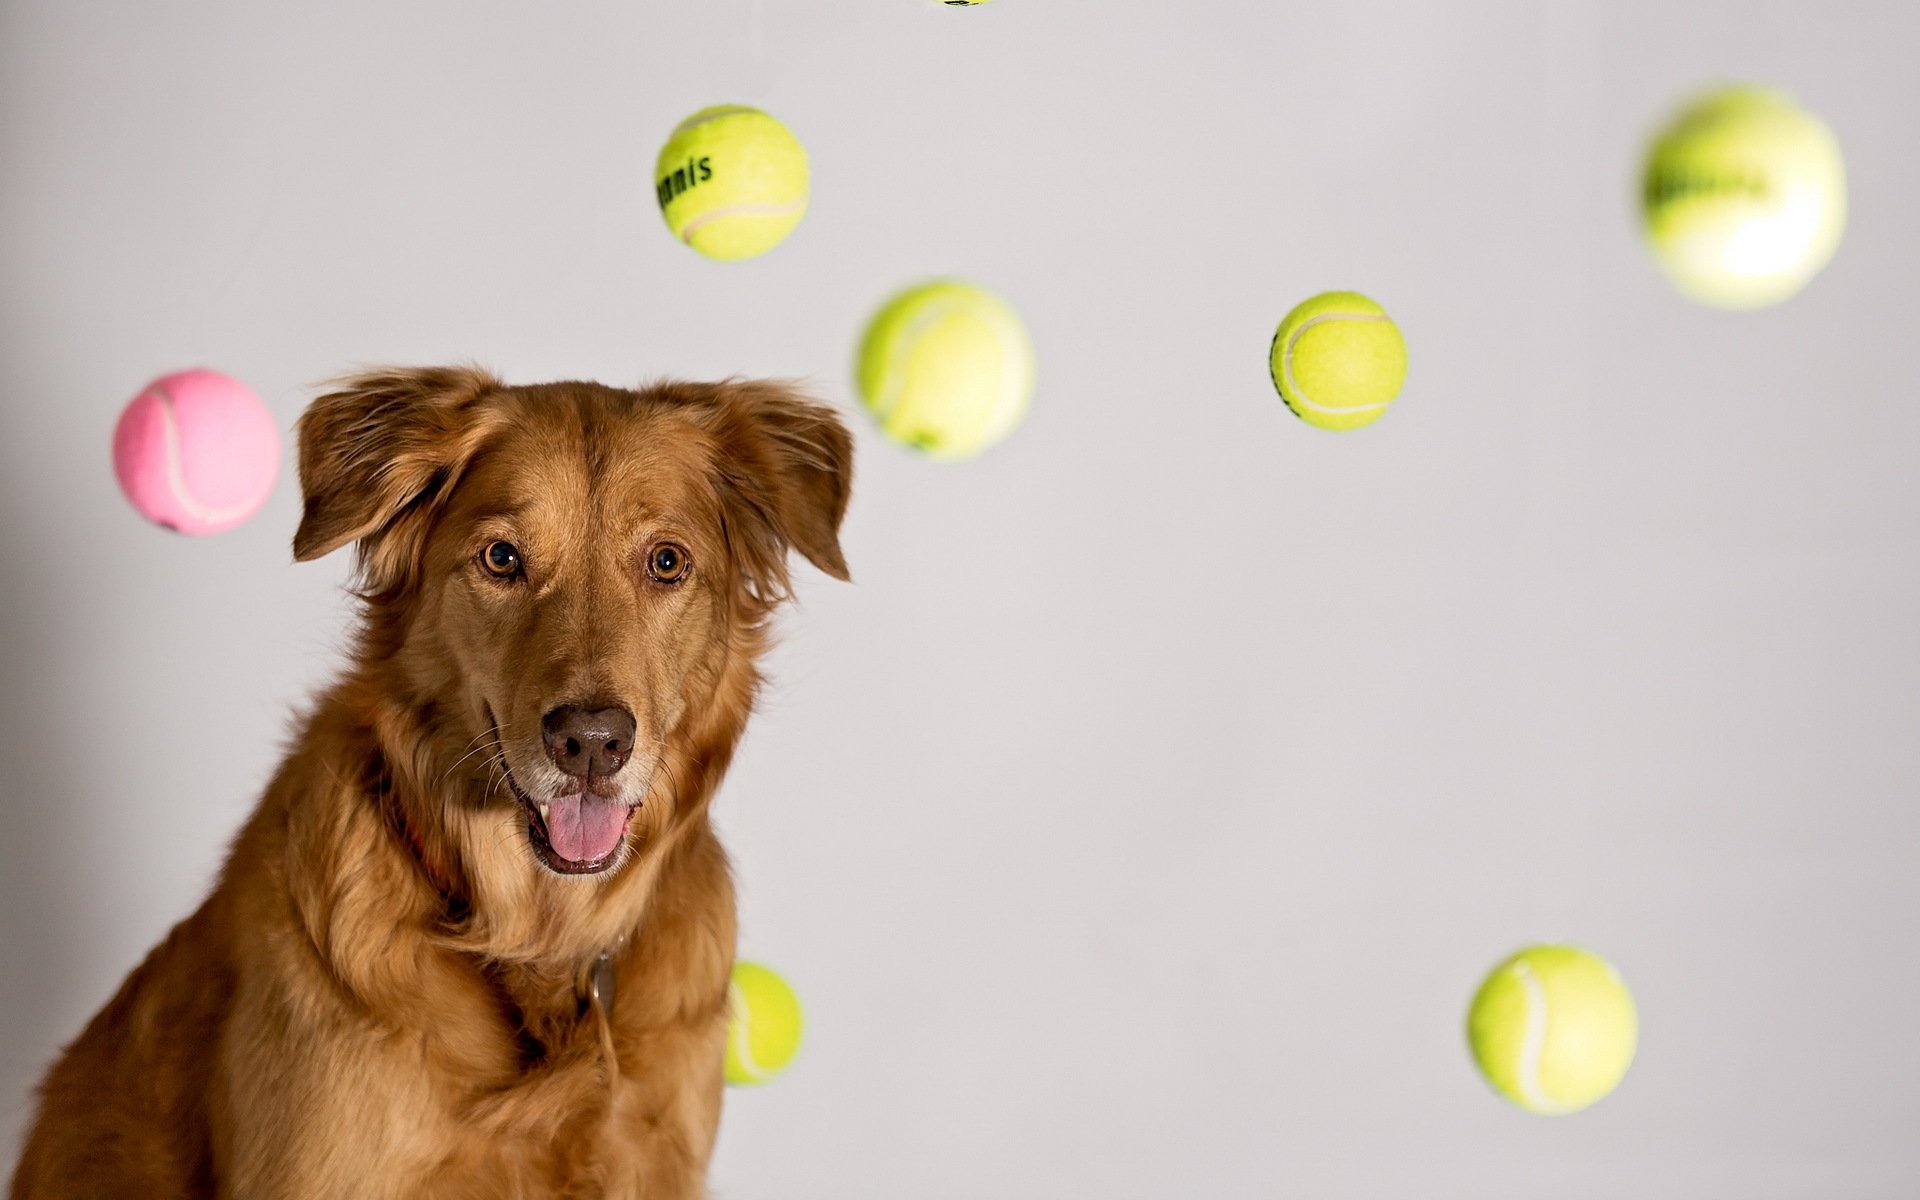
{"x": 376, "y": 454}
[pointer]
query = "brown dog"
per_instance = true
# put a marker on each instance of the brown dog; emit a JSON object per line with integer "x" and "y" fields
{"x": 475, "y": 940}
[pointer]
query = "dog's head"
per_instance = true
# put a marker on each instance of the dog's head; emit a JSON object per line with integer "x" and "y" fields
{"x": 566, "y": 586}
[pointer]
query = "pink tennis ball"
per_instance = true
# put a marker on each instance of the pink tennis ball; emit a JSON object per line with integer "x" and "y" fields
{"x": 196, "y": 452}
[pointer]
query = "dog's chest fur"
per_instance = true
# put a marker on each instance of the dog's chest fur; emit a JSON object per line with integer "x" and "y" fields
{"x": 494, "y": 1082}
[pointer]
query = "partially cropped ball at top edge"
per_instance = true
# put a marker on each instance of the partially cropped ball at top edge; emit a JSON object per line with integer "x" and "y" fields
{"x": 1338, "y": 360}
{"x": 196, "y": 452}
{"x": 947, "y": 368}
{"x": 1744, "y": 197}
{"x": 1553, "y": 1029}
{"x": 731, "y": 182}
{"x": 764, "y": 1024}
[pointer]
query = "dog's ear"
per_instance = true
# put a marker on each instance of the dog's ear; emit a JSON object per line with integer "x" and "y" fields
{"x": 785, "y": 466}
{"x": 376, "y": 454}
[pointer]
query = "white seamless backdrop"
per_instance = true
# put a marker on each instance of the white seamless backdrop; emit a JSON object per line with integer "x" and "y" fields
{"x": 1140, "y": 820}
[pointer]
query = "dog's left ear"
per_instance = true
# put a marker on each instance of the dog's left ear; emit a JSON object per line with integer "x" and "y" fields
{"x": 785, "y": 467}
{"x": 375, "y": 456}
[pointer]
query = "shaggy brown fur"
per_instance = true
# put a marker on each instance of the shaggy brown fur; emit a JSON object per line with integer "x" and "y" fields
{"x": 383, "y": 995}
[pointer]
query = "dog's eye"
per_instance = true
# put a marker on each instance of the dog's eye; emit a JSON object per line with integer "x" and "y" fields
{"x": 501, "y": 560}
{"x": 668, "y": 563}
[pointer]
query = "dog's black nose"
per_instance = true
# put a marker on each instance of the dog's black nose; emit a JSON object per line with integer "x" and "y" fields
{"x": 588, "y": 742}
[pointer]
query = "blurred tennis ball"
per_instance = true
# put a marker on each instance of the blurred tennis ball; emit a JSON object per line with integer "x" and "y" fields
{"x": 946, "y": 367}
{"x": 1745, "y": 197}
{"x": 196, "y": 452}
{"x": 763, "y": 1024}
{"x": 732, "y": 182}
{"x": 1553, "y": 1029}
{"x": 1338, "y": 360}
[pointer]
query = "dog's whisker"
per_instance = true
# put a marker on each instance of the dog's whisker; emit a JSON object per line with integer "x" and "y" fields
{"x": 496, "y": 776}
{"x": 492, "y": 739}
{"x": 463, "y": 758}
{"x": 673, "y": 780}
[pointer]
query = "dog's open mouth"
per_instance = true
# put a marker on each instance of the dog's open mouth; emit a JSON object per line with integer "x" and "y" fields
{"x": 578, "y": 834}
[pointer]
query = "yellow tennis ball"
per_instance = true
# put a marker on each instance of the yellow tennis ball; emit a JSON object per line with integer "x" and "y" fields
{"x": 946, "y": 367}
{"x": 732, "y": 182}
{"x": 1338, "y": 360}
{"x": 763, "y": 1024}
{"x": 1745, "y": 198}
{"x": 1553, "y": 1029}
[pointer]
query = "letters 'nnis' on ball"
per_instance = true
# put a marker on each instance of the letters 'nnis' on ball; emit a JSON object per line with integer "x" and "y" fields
{"x": 1745, "y": 198}
{"x": 1553, "y": 1029}
{"x": 732, "y": 182}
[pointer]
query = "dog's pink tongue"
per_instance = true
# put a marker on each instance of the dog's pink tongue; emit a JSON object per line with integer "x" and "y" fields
{"x": 585, "y": 828}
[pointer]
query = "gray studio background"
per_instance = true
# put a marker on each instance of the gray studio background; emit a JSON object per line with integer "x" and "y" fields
{"x": 1140, "y": 821}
